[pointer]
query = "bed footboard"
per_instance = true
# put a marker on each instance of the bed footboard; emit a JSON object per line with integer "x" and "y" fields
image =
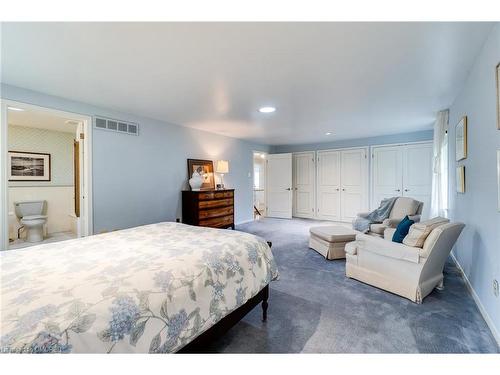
{"x": 199, "y": 344}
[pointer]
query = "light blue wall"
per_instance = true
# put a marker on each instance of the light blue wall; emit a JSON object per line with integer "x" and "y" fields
{"x": 138, "y": 179}
{"x": 478, "y": 248}
{"x": 425, "y": 135}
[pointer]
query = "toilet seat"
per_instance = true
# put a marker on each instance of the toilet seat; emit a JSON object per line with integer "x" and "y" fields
{"x": 33, "y": 217}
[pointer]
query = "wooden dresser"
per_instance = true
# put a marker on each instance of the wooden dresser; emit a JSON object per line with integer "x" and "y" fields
{"x": 208, "y": 208}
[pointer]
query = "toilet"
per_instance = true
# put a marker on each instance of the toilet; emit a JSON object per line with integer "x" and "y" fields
{"x": 30, "y": 215}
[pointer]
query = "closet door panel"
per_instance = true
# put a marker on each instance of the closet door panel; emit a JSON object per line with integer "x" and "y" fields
{"x": 303, "y": 185}
{"x": 279, "y": 186}
{"x": 417, "y": 174}
{"x": 354, "y": 183}
{"x": 387, "y": 172}
{"x": 328, "y": 189}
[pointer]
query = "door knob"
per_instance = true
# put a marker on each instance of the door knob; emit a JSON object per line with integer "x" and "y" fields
{"x": 407, "y": 190}
{"x": 288, "y": 189}
{"x": 337, "y": 189}
{"x": 343, "y": 189}
{"x": 398, "y": 189}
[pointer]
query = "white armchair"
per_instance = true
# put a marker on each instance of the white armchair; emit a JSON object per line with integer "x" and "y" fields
{"x": 403, "y": 206}
{"x": 411, "y": 272}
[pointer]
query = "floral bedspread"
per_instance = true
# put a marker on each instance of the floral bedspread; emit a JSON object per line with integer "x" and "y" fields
{"x": 150, "y": 289}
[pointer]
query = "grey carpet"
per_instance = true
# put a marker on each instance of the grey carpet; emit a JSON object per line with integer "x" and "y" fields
{"x": 314, "y": 308}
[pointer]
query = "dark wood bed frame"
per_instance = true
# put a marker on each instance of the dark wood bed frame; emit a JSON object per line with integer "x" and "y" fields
{"x": 199, "y": 344}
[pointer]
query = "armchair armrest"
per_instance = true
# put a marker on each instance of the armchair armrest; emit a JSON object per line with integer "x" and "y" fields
{"x": 387, "y": 248}
{"x": 391, "y": 223}
{"x": 415, "y": 218}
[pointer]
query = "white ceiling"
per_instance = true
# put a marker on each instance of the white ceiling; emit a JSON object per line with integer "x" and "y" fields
{"x": 352, "y": 79}
{"x": 41, "y": 120}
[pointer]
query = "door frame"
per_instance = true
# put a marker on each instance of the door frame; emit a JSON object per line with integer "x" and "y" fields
{"x": 86, "y": 193}
{"x": 265, "y": 181}
{"x": 371, "y": 200}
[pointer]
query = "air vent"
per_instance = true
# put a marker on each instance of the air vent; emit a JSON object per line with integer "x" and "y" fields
{"x": 116, "y": 125}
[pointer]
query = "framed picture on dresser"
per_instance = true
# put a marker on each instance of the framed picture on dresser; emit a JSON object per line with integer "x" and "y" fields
{"x": 204, "y": 168}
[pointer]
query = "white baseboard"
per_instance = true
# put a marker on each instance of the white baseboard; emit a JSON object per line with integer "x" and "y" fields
{"x": 480, "y": 306}
{"x": 244, "y": 222}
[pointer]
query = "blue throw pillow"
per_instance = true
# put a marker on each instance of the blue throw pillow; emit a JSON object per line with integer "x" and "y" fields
{"x": 402, "y": 230}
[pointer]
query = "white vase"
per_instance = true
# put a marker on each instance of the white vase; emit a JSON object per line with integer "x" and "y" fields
{"x": 196, "y": 181}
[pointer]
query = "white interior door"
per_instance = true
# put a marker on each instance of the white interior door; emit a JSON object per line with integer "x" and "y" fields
{"x": 354, "y": 183}
{"x": 303, "y": 184}
{"x": 328, "y": 191}
{"x": 386, "y": 173}
{"x": 279, "y": 185}
{"x": 417, "y": 174}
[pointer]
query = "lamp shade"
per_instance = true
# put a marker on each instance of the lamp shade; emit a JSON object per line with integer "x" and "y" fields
{"x": 222, "y": 166}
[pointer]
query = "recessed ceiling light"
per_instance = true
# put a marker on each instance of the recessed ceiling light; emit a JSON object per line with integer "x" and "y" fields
{"x": 267, "y": 109}
{"x": 328, "y": 133}
{"x": 16, "y": 109}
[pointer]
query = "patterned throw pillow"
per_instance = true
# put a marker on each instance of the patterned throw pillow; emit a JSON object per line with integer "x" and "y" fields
{"x": 402, "y": 229}
{"x": 418, "y": 232}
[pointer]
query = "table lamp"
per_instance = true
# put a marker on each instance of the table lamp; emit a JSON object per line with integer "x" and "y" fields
{"x": 222, "y": 167}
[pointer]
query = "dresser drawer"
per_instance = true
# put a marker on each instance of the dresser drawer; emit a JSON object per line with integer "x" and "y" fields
{"x": 215, "y": 212}
{"x": 215, "y": 195}
{"x": 217, "y": 222}
{"x": 216, "y": 203}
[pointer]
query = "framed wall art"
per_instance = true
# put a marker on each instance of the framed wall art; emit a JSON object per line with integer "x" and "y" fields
{"x": 28, "y": 166}
{"x": 498, "y": 94}
{"x": 461, "y": 179}
{"x": 498, "y": 179}
{"x": 461, "y": 139}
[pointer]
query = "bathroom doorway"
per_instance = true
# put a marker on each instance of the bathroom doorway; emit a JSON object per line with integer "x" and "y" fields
{"x": 259, "y": 184}
{"x": 46, "y": 171}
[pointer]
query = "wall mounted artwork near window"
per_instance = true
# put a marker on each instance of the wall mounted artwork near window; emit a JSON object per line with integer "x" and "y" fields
{"x": 498, "y": 95}
{"x": 461, "y": 179}
{"x": 498, "y": 178}
{"x": 28, "y": 166}
{"x": 461, "y": 139}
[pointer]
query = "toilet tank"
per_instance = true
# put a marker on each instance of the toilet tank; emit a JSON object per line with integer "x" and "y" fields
{"x": 28, "y": 208}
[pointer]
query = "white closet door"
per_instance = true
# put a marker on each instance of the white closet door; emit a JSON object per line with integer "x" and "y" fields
{"x": 386, "y": 173}
{"x": 303, "y": 184}
{"x": 417, "y": 174}
{"x": 354, "y": 183}
{"x": 328, "y": 191}
{"x": 279, "y": 185}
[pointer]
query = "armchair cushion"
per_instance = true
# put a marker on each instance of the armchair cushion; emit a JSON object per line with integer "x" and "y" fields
{"x": 386, "y": 248}
{"x": 388, "y": 233}
{"x": 418, "y": 232}
{"x": 402, "y": 230}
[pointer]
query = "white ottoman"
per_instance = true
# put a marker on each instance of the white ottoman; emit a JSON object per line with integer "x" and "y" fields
{"x": 330, "y": 240}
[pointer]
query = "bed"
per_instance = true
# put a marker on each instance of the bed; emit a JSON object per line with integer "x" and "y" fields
{"x": 159, "y": 288}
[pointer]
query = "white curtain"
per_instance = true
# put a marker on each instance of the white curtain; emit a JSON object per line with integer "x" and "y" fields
{"x": 439, "y": 201}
